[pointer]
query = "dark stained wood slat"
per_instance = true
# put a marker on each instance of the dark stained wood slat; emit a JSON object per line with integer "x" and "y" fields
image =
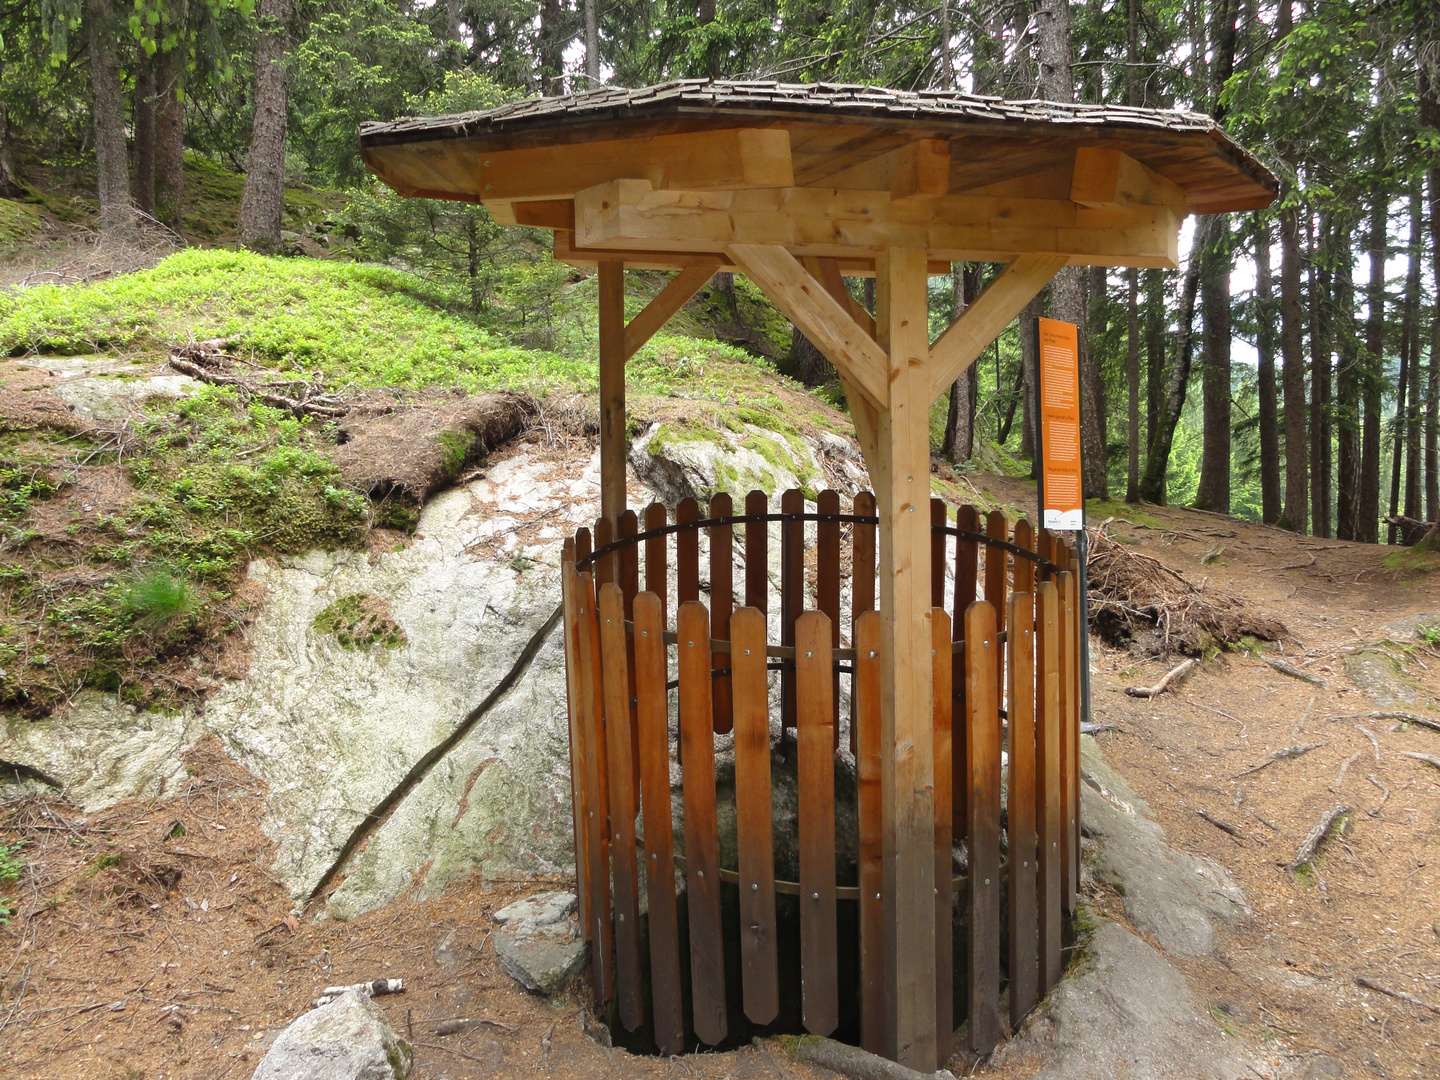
{"x": 759, "y": 972}
{"x": 827, "y": 586}
{"x": 653, "y": 723}
{"x": 1071, "y": 754}
{"x": 997, "y": 527}
{"x": 573, "y": 681}
{"x": 657, "y": 573}
{"x": 939, "y": 515}
{"x": 873, "y": 1014}
{"x": 598, "y": 868}
{"x": 943, "y": 714}
{"x": 630, "y": 587}
{"x": 792, "y": 603}
{"x": 624, "y": 803}
{"x": 1024, "y": 926}
{"x": 1047, "y": 778}
{"x": 687, "y": 553}
{"x": 702, "y": 845}
{"x": 722, "y": 602}
{"x": 862, "y": 581}
{"x": 757, "y": 558}
{"x": 1069, "y": 685}
{"x": 582, "y": 543}
{"x": 982, "y": 724}
{"x": 606, "y": 568}
{"x": 966, "y": 582}
{"x": 819, "y": 975}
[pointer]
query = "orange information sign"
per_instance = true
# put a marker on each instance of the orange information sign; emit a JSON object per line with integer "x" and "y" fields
{"x": 1061, "y": 503}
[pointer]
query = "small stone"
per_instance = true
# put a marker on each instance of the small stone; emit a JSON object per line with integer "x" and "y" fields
{"x": 345, "y": 1040}
{"x": 539, "y": 943}
{"x": 539, "y": 910}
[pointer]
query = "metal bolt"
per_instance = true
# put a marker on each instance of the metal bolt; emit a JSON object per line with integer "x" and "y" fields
{"x": 622, "y": 916}
{"x": 986, "y": 644}
{"x": 754, "y": 887}
{"x": 701, "y": 873}
{"x": 815, "y": 896}
{"x": 808, "y": 654}
{"x": 747, "y": 652}
{"x": 691, "y": 644}
{"x": 644, "y": 633}
{"x": 872, "y": 654}
{"x": 877, "y": 896}
{"x": 653, "y": 855}
{"x": 987, "y": 881}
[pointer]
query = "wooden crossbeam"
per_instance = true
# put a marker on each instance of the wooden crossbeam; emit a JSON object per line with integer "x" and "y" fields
{"x": 1106, "y": 179}
{"x": 809, "y": 305}
{"x": 845, "y": 223}
{"x": 981, "y": 323}
{"x": 829, "y": 274}
{"x": 666, "y": 303}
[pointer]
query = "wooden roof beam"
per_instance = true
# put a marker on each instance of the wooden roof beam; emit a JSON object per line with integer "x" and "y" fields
{"x": 982, "y": 322}
{"x": 820, "y": 317}
{"x": 1107, "y": 179}
{"x": 631, "y": 214}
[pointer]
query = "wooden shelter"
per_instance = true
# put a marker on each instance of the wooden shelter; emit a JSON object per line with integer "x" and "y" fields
{"x": 799, "y": 186}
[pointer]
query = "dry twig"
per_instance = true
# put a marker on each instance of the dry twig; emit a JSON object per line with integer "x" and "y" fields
{"x": 1175, "y": 673}
{"x": 1285, "y": 753}
{"x": 1223, "y": 826}
{"x": 1398, "y": 995}
{"x": 1428, "y": 759}
{"x": 1344, "y": 768}
{"x": 1294, "y": 672}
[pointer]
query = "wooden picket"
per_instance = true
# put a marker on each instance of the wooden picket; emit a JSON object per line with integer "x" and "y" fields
{"x": 1013, "y": 654}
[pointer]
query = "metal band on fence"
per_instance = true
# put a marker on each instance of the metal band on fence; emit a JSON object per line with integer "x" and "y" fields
{"x": 787, "y": 652}
{"x": 843, "y": 519}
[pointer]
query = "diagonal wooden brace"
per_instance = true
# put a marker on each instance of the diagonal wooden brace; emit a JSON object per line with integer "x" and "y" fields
{"x": 809, "y": 305}
{"x": 666, "y": 303}
{"x": 981, "y": 323}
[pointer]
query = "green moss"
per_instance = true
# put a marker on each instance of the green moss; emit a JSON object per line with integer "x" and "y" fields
{"x": 19, "y": 222}
{"x": 685, "y": 430}
{"x": 1411, "y": 560}
{"x": 359, "y": 621}
{"x": 1097, "y": 510}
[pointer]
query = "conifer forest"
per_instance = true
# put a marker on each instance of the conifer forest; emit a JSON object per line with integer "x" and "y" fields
{"x": 1288, "y": 371}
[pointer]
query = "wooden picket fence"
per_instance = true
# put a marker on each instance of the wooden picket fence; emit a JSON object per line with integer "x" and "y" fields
{"x": 1005, "y": 667}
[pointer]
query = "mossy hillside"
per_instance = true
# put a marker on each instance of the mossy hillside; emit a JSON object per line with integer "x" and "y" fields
{"x": 353, "y": 324}
{"x": 122, "y": 594}
{"x": 19, "y": 222}
{"x": 211, "y": 206}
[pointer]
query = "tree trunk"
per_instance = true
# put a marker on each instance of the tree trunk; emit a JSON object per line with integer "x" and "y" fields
{"x": 1296, "y": 517}
{"x": 1432, "y": 389}
{"x": 592, "y": 46}
{"x": 1155, "y": 338}
{"x": 1162, "y": 438}
{"x": 1214, "y": 490}
{"x": 142, "y": 110}
{"x": 1320, "y": 460}
{"x": 1367, "y": 502}
{"x": 959, "y": 441}
{"x": 263, "y": 203}
{"x": 1413, "y": 409}
{"x": 1132, "y": 383}
{"x": 1346, "y": 409}
{"x": 1029, "y": 360}
{"x": 170, "y": 136}
{"x": 1265, "y": 378}
{"x": 112, "y": 167}
{"x": 550, "y": 43}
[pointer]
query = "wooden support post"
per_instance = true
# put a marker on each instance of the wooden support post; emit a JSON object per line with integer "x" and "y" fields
{"x": 613, "y": 440}
{"x": 901, "y": 471}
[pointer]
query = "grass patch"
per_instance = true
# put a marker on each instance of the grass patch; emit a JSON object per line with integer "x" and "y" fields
{"x": 1097, "y": 510}
{"x": 363, "y": 324}
{"x": 1411, "y": 560}
{"x": 11, "y": 866}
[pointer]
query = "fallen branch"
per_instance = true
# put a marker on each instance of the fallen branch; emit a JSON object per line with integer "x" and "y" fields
{"x": 1300, "y": 724}
{"x": 1373, "y": 741}
{"x": 1390, "y": 714}
{"x": 1344, "y": 768}
{"x": 1428, "y": 759}
{"x": 462, "y": 1024}
{"x": 1294, "y": 672}
{"x": 1223, "y": 826}
{"x": 1398, "y": 995}
{"x": 311, "y": 403}
{"x": 1087, "y": 728}
{"x": 1283, "y": 754}
{"x": 1164, "y": 684}
{"x": 1383, "y": 801}
{"x": 1310, "y": 846}
{"x": 377, "y": 988}
{"x": 850, "y": 1061}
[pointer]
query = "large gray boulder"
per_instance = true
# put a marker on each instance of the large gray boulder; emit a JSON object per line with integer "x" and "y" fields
{"x": 1126, "y": 1013}
{"x": 1170, "y": 895}
{"x": 345, "y": 1040}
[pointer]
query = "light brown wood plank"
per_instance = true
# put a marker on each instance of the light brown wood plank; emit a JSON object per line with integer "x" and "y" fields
{"x": 1024, "y": 925}
{"x": 943, "y": 718}
{"x": 759, "y": 974}
{"x": 1047, "y": 779}
{"x": 653, "y": 722}
{"x": 573, "y": 681}
{"x": 702, "y": 845}
{"x": 606, "y": 568}
{"x": 722, "y": 602}
{"x": 598, "y": 842}
{"x": 982, "y": 722}
{"x": 614, "y": 439}
{"x": 815, "y": 742}
{"x": 874, "y": 1019}
{"x": 624, "y": 803}
{"x": 1071, "y": 754}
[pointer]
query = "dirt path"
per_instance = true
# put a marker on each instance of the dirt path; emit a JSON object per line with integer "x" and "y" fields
{"x": 150, "y": 943}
